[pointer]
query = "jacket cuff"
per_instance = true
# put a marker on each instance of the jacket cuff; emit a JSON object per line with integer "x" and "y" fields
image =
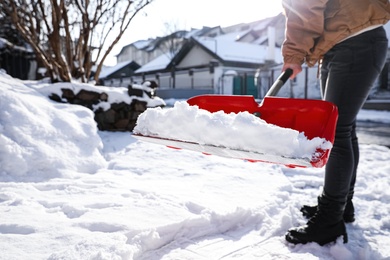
{"x": 294, "y": 60}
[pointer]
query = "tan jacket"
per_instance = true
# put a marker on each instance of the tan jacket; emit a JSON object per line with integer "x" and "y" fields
{"x": 315, "y": 26}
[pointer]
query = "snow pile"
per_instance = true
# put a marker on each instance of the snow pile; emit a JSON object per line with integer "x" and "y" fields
{"x": 242, "y": 131}
{"x": 41, "y": 137}
{"x": 115, "y": 95}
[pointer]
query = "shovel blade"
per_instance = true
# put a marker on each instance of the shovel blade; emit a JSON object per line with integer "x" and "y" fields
{"x": 315, "y": 118}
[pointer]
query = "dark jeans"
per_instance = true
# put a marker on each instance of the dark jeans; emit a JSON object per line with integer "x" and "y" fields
{"x": 348, "y": 72}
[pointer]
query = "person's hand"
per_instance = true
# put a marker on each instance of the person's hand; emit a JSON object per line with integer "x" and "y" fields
{"x": 297, "y": 68}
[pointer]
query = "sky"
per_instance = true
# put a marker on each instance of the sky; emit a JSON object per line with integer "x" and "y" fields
{"x": 69, "y": 191}
{"x": 186, "y": 14}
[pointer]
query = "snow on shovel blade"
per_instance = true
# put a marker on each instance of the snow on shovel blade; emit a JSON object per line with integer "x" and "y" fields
{"x": 234, "y": 134}
{"x": 293, "y": 132}
{"x": 314, "y": 118}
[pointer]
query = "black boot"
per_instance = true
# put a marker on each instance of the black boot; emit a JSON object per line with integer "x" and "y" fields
{"x": 349, "y": 212}
{"x": 324, "y": 227}
{"x": 348, "y": 216}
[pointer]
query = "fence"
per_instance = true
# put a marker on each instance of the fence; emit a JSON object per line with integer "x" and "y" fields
{"x": 187, "y": 83}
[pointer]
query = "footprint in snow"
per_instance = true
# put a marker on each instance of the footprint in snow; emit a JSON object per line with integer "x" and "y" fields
{"x": 16, "y": 229}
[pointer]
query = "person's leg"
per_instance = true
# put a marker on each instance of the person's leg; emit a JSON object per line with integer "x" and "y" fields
{"x": 351, "y": 68}
{"x": 349, "y": 212}
{"x": 348, "y": 72}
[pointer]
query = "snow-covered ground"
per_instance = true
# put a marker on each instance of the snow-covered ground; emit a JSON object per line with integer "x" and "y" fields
{"x": 69, "y": 191}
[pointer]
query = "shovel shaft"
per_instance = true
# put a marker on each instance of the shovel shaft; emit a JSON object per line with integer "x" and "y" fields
{"x": 274, "y": 90}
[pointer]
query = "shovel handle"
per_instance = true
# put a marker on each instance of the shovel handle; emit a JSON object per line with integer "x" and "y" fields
{"x": 273, "y": 91}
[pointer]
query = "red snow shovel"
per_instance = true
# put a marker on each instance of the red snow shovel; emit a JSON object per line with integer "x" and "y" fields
{"x": 315, "y": 118}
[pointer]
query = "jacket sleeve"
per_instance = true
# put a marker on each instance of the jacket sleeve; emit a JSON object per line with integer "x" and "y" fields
{"x": 304, "y": 25}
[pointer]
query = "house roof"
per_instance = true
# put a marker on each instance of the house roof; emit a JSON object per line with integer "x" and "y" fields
{"x": 107, "y": 71}
{"x": 234, "y": 36}
{"x": 227, "y": 50}
{"x": 221, "y": 49}
{"x": 195, "y": 32}
{"x": 4, "y": 43}
{"x": 142, "y": 43}
{"x": 159, "y": 63}
{"x": 151, "y": 44}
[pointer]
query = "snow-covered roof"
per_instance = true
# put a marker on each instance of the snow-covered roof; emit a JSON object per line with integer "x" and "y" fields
{"x": 4, "y": 43}
{"x": 192, "y": 33}
{"x": 158, "y": 63}
{"x": 232, "y": 36}
{"x": 224, "y": 48}
{"x": 142, "y": 43}
{"x": 238, "y": 51}
{"x": 198, "y": 32}
{"x": 109, "y": 70}
{"x": 261, "y": 39}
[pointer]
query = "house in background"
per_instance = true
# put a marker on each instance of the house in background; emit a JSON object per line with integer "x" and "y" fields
{"x": 144, "y": 51}
{"x": 212, "y": 60}
{"x": 242, "y": 59}
{"x": 113, "y": 76}
{"x": 207, "y": 65}
{"x": 16, "y": 56}
{"x": 17, "y": 61}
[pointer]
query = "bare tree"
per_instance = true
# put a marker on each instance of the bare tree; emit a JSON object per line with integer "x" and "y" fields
{"x": 69, "y": 37}
{"x": 171, "y": 44}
